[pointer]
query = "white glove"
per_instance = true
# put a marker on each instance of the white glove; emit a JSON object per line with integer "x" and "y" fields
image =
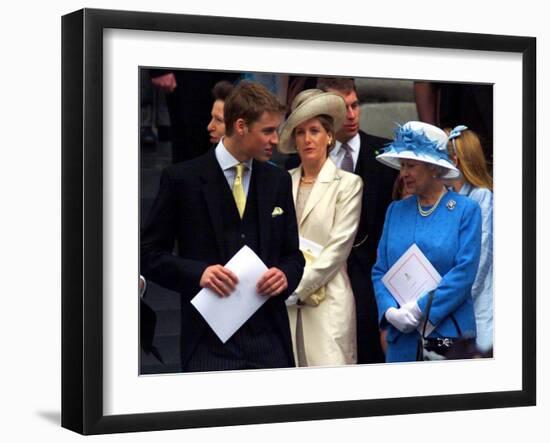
{"x": 406, "y": 318}
{"x": 414, "y": 310}
{"x": 292, "y": 299}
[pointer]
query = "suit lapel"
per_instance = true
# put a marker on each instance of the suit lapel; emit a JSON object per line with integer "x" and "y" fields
{"x": 295, "y": 176}
{"x": 362, "y": 166}
{"x": 368, "y": 168}
{"x": 213, "y": 180}
{"x": 265, "y": 193}
{"x": 365, "y": 169}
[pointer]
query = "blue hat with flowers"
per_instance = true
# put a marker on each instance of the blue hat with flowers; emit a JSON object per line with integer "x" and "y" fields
{"x": 419, "y": 141}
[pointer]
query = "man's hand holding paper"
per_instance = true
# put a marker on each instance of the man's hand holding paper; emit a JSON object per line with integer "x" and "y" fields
{"x": 272, "y": 282}
{"x": 234, "y": 292}
{"x": 219, "y": 280}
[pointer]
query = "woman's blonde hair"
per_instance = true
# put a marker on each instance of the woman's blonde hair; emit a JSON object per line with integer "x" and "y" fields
{"x": 471, "y": 160}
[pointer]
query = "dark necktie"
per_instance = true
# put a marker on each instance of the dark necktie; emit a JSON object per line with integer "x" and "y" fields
{"x": 347, "y": 162}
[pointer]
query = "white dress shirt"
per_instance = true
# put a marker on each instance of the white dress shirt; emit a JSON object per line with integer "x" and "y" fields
{"x": 227, "y": 162}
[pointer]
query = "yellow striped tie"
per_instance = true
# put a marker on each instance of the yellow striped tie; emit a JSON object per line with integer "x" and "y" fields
{"x": 238, "y": 189}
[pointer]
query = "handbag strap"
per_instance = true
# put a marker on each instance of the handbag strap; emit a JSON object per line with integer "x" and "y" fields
{"x": 457, "y": 327}
{"x": 428, "y": 308}
{"x": 420, "y": 345}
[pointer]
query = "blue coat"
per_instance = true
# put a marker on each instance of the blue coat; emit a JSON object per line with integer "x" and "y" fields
{"x": 450, "y": 238}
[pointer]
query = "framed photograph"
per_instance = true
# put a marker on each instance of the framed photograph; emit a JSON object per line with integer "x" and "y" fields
{"x": 115, "y": 377}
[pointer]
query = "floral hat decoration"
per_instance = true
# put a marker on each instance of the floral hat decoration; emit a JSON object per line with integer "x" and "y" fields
{"x": 419, "y": 141}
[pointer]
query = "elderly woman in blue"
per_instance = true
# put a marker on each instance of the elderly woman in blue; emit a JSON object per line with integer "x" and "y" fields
{"x": 445, "y": 226}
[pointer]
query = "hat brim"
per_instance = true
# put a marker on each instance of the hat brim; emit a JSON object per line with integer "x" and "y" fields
{"x": 392, "y": 159}
{"x": 327, "y": 103}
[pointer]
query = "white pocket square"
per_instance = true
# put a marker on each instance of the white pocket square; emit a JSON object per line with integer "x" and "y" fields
{"x": 276, "y": 212}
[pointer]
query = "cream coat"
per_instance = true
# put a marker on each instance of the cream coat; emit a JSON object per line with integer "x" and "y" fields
{"x": 330, "y": 218}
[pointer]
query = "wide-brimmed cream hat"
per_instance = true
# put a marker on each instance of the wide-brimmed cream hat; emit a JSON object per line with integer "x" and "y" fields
{"x": 309, "y": 104}
{"x": 419, "y": 141}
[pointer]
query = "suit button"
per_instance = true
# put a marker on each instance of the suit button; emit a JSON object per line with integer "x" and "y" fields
{"x": 243, "y": 236}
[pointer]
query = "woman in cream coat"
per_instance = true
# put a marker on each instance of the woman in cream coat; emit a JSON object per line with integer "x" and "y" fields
{"x": 328, "y": 207}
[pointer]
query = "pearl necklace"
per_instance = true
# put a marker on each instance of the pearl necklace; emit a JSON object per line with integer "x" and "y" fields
{"x": 426, "y": 213}
{"x": 307, "y": 182}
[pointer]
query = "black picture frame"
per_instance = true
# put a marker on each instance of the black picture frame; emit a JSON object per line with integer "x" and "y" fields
{"x": 82, "y": 218}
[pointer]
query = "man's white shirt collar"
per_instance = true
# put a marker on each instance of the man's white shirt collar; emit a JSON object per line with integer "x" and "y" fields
{"x": 226, "y": 160}
{"x": 227, "y": 163}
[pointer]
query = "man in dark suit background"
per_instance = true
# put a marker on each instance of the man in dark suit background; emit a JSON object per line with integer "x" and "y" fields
{"x": 212, "y": 206}
{"x": 188, "y": 100}
{"x": 355, "y": 151}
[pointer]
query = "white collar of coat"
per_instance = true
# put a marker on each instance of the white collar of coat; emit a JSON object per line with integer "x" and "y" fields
{"x": 329, "y": 173}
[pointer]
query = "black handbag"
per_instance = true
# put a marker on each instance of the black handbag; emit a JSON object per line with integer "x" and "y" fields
{"x": 444, "y": 347}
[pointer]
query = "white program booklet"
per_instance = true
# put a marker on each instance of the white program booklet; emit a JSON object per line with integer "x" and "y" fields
{"x": 410, "y": 277}
{"x": 226, "y": 315}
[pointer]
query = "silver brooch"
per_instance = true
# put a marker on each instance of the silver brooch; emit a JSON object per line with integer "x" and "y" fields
{"x": 451, "y": 205}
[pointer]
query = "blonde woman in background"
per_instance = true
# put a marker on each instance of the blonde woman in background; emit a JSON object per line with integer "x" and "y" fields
{"x": 475, "y": 182}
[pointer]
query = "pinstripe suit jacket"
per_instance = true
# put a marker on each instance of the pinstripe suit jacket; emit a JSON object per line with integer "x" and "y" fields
{"x": 187, "y": 212}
